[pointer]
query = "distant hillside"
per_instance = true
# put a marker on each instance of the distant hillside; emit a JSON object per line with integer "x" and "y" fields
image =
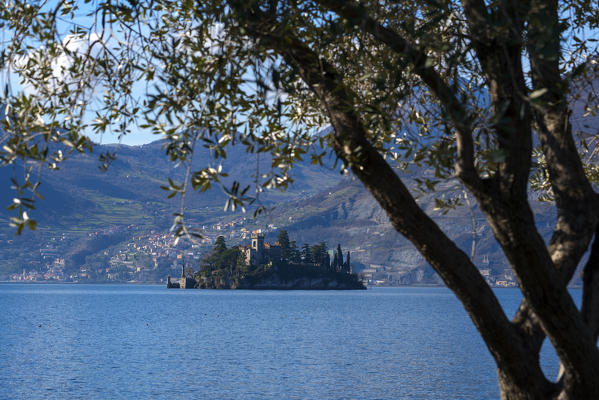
{"x": 348, "y": 214}
{"x": 81, "y": 202}
{"x": 129, "y": 192}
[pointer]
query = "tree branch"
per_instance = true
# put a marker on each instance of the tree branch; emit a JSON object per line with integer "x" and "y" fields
{"x": 496, "y": 36}
{"x": 574, "y": 196}
{"x": 508, "y": 210}
{"x": 459, "y": 116}
{"x": 575, "y": 200}
{"x": 568, "y": 243}
{"x": 518, "y": 143}
{"x": 351, "y": 145}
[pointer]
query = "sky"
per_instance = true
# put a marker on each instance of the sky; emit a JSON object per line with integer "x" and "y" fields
{"x": 9, "y": 79}
{"x": 138, "y": 135}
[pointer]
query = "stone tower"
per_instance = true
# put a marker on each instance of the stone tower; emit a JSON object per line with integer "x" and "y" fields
{"x": 258, "y": 242}
{"x": 257, "y": 248}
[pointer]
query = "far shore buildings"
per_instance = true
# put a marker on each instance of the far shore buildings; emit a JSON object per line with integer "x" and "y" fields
{"x": 259, "y": 252}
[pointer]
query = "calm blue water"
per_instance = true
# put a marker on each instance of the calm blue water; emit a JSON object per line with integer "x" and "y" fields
{"x": 140, "y": 342}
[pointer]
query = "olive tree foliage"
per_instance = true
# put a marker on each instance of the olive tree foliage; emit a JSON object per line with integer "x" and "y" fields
{"x": 478, "y": 91}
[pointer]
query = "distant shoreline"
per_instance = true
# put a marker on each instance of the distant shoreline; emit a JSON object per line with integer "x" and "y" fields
{"x": 78, "y": 283}
{"x": 422, "y": 285}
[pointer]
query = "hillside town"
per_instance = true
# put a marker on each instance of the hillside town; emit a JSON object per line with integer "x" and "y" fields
{"x": 140, "y": 256}
{"x": 151, "y": 256}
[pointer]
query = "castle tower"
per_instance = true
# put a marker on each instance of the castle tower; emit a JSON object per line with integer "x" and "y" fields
{"x": 258, "y": 247}
{"x": 258, "y": 242}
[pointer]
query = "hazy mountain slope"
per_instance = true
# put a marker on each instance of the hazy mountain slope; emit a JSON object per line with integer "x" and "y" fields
{"x": 348, "y": 214}
{"x": 321, "y": 205}
{"x": 133, "y": 182}
{"x": 81, "y": 202}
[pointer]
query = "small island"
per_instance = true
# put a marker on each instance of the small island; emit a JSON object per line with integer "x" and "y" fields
{"x": 271, "y": 266}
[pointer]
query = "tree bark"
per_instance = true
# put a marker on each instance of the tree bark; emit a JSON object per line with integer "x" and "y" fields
{"x": 527, "y": 387}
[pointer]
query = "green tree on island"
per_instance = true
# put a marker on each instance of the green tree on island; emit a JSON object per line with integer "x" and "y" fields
{"x": 283, "y": 239}
{"x": 347, "y": 264}
{"x": 476, "y": 91}
{"x": 319, "y": 254}
{"x": 294, "y": 253}
{"x": 213, "y": 260}
{"x": 220, "y": 257}
{"x": 222, "y": 264}
{"x": 306, "y": 254}
{"x": 339, "y": 258}
{"x": 219, "y": 245}
{"x": 335, "y": 263}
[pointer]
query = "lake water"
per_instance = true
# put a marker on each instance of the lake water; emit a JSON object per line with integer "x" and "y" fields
{"x": 147, "y": 342}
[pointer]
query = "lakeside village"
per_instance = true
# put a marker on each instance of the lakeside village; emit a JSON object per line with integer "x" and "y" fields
{"x": 279, "y": 265}
{"x": 113, "y": 254}
{"x": 108, "y": 256}
{"x": 132, "y": 254}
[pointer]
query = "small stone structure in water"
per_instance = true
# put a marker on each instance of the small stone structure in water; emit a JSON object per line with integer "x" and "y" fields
{"x": 170, "y": 284}
{"x": 185, "y": 281}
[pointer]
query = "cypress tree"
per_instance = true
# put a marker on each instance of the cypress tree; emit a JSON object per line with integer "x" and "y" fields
{"x": 324, "y": 254}
{"x": 283, "y": 240}
{"x": 294, "y": 253}
{"x": 339, "y": 257}
{"x": 347, "y": 265}
{"x": 315, "y": 252}
{"x": 306, "y": 254}
{"x": 219, "y": 246}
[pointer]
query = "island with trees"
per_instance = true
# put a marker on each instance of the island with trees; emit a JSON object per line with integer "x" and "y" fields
{"x": 280, "y": 265}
